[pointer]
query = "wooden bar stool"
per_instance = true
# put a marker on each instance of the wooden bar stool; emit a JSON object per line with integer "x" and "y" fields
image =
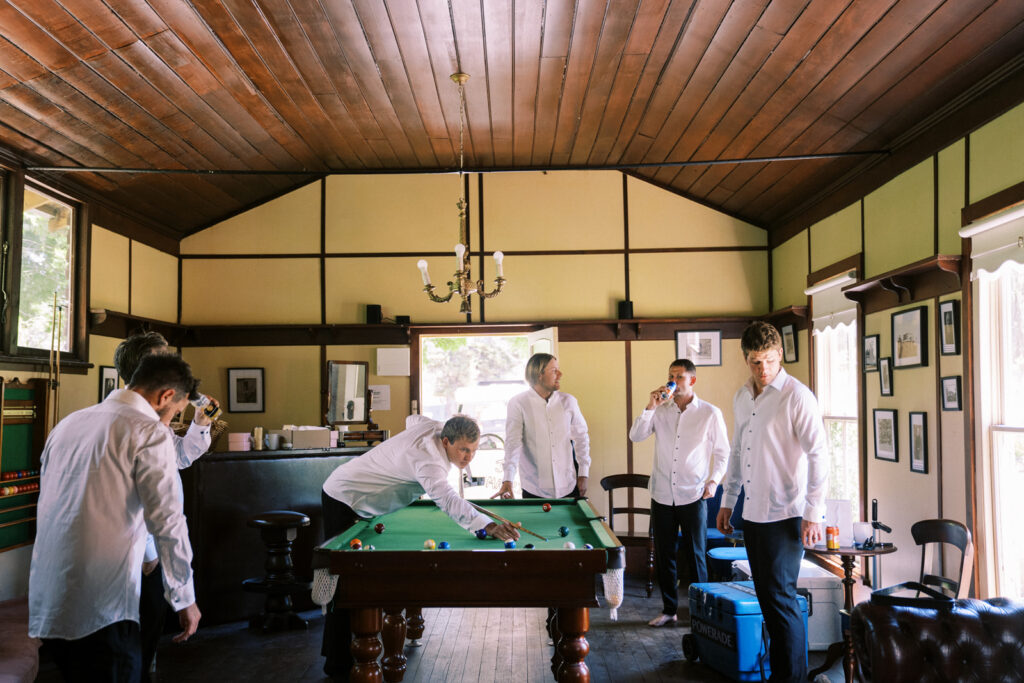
{"x": 278, "y": 529}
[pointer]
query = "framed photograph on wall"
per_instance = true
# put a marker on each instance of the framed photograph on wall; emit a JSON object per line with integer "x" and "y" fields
{"x": 789, "y": 347}
{"x": 919, "y": 442}
{"x": 887, "y": 441}
{"x": 108, "y": 381}
{"x": 871, "y": 353}
{"x": 701, "y": 347}
{"x": 245, "y": 390}
{"x": 949, "y": 328}
{"x": 951, "y": 393}
{"x": 910, "y": 338}
{"x": 885, "y": 375}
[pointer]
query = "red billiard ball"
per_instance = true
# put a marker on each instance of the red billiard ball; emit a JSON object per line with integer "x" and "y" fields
{"x": 379, "y": 527}
{"x": 355, "y": 544}
{"x": 546, "y": 507}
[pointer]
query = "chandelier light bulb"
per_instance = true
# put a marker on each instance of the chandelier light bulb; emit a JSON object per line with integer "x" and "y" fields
{"x": 460, "y": 251}
{"x": 422, "y": 265}
{"x": 498, "y": 258}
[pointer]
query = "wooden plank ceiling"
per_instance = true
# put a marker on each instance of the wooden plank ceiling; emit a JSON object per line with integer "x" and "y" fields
{"x": 306, "y": 87}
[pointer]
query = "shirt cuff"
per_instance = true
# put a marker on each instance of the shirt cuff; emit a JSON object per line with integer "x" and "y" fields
{"x": 180, "y": 598}
{"x": 729, "y": 501}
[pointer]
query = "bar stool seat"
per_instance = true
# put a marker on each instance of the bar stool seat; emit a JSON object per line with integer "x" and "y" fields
{"x": 720, "y": 562}
{"x": 278, "y": 530}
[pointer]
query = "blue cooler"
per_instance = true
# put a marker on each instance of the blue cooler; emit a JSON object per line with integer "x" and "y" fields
{"x": 725, "y": 629}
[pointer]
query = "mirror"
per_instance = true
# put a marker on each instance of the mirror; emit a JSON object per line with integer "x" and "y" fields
{"x": 348, "y": 396}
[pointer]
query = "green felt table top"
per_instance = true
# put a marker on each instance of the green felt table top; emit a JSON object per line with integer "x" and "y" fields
{"x": 410, "y": 527}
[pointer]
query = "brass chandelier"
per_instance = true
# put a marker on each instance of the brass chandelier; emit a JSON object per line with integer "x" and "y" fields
{"x": 462, "y": 282}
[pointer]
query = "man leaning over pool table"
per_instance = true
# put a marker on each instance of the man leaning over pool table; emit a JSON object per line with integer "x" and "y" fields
{"x": 388, "y": 477}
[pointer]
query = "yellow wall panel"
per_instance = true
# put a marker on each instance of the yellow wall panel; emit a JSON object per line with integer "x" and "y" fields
{"x": 289, "y": 224}
{"x": 997, "y": 154}
{"x": 393, "y": 283}
{"x": 951, "y": 196}
{"x": 899, "y": 221}
{"x": 789, "y": 272}
{"x": 392, "y": 419}
{"x": 595, "y": 373}
{"x": 659, "y": 219}
{"x": 108, "y": 271}
{"x": 698, "y": 284}
{"x": 836, "y": 237}
{"x": 559, "y": 288}
{"x": 564, "y": 210}
{"x": 291, "y": 383}
{"x": 154, "y": 283}
{"x": 250, "y": 291}
{"x": 374, "y": 213}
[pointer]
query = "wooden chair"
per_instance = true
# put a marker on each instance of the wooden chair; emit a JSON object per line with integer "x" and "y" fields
{"x": 635, "y": 538}
{"x": 940, "y": 532}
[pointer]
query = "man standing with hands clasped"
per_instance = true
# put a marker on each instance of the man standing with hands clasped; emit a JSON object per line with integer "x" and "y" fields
{"x": 779, "y": 455}
{"x": 691, "y": 452}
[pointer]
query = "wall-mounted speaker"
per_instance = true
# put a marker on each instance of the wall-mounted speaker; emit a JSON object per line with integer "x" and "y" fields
{"x": 625, "y": 310}
{"x": 373, "y": 314}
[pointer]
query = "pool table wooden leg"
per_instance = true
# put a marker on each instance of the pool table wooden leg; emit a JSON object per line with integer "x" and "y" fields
{"x": 556, "y": 636}
{"x": 414, "y": 618}
{"x": 393, "y": 635}
{"x": 366, "y": 648}
{"x": 573, "y": 623}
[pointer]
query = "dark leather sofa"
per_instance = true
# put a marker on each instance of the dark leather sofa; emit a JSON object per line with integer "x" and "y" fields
{"x": 975, "y": 640}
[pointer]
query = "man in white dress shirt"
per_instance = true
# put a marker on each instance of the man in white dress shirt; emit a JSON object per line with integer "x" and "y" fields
{"x": 544, "y": 429}
{"x": 108, "y": 475}
{"x": 389, "y": 477}
{"x": 188, "y": 449}
{"x": 691, "y": 451}
{"x": 779, "y": 456}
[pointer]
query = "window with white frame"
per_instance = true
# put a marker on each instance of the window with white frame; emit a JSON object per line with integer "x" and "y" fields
{"x": 836, "y": 368}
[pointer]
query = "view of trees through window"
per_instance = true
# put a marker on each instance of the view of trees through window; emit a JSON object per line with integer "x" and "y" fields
{"x": 46, "y": 269}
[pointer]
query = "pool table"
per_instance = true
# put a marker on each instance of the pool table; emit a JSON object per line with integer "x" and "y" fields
{"x": 399, "y": 573}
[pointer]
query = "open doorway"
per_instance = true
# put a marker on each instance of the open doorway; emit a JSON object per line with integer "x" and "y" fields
{"x": 474, "y": 376}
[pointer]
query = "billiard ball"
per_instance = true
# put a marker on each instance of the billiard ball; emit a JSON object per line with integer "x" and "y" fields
{"x": 546, "y": 507}
{"x": 369, "y": 547}
{"x": 587, "y": 546}
{"x": 481, "y": 534}
{"x": 570, "y": 545}
{"x": 510, "y": 544}
{"x": 355, "y": 544}
{"x": 563, "y": 531}
{"x": 528, "y": 546}
{"x": 444, "y": 545}
{"x": 379, "y": 527}
{"x": 429, "y": 544}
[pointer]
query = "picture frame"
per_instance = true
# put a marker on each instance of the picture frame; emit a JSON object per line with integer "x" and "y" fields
{"x": 919, "y": 442}
{"x": 885, "y": 375}
{"x": 245, "y": 390}
{"x": 789, "y": 343}
{"x": 887, "y": 438}
{"x": 109, "y": 381}
{"x": 910, "y": 338}
{"x": 870, "y": 353}
{"x": 949, "y": 328}
{"x": 701, "y": 347}
{"x": 951, "y": 393}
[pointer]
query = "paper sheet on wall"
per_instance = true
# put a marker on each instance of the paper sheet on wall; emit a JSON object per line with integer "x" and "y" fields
{"x": 393, "y": 362}
{"x": 380, "y": 397}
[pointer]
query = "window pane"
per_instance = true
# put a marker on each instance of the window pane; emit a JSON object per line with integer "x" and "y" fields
{"x": 1012, "y": 297}
{"x": 1008, "y": 453}
{"x": 836, "y": 367}
{"x": 45, "y": 270}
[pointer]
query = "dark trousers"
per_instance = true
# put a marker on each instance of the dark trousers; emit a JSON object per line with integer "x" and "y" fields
{"x": 690, "y": 548}
{"x": 774, "y": 550}
{"x": 111, "y": 655}
{"x": 152, "y": 614}
{"x": 337, "y": 642}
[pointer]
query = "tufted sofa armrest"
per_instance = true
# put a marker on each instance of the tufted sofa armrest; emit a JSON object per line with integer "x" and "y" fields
{"x": 974, "y": 641}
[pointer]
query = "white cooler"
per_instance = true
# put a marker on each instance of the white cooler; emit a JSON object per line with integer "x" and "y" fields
{"x": 824, "y": 625}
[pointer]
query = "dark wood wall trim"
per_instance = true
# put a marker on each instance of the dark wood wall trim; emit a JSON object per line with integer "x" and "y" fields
{"x": 477, "y": 252}
{"x": 323, "y": 250}
{"x": 993, "y": 203}
{"x": 625, "y": 242}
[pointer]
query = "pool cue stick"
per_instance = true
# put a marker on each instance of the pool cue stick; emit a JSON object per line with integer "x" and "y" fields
{"x": 499, "y": 518}
{"x": 49, "y": 372}
{"x": 56, "y": 386}
{"x": 3, "y": 384}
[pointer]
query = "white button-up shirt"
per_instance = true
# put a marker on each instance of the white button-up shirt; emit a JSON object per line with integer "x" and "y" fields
{"x": 396, "y": 472}
{"x": 779, "y": 453}
{"x": 691, "y": 448}
{"x": 187, "y": 449}
{"x": 108, "y": 474}
{"x": 539, "y": 440}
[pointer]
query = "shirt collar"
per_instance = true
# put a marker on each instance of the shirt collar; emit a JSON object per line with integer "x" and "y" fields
{"x": 695, "y": 403}
{"x": 134, "y": 400}
{"x": 777, "y": 383}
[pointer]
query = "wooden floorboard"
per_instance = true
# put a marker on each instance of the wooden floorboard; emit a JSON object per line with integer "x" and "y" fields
{"x": 459, "y": 646}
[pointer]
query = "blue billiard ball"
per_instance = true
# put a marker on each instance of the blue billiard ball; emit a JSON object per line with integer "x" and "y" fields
{"x": 444, "y": 545}
{"x": 481, "y": 534}
{"x": 510, "y": 544}
{"x": 563, "y": 531}
{"x": 587, "y": 546}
